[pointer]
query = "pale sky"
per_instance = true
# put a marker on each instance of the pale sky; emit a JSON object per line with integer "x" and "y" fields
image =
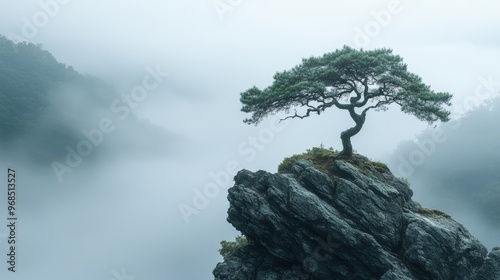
{"x": 211, "y": 56}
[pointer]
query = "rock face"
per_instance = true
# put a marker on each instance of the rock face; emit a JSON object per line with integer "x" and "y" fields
{"x": 353, "y": 220}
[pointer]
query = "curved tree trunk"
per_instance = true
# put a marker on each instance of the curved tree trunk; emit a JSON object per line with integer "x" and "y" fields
{"x": 346, "y": 135}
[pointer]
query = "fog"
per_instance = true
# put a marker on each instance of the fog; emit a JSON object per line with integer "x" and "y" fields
{"x": 120, "y": 208}
{"x": 454, "y": 168}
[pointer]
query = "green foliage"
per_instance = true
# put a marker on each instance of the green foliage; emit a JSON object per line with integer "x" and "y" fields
{"x": 320, "y": 156}
{"x": 347, "y": 79}
{"x": 366, "y": 79}
{"x": 228, "y": 247}
{"x": 404, "y": 180}
{"x": 379, "y": 166}
{"x": 323, "y": 158}
{"x": 433, "y": 213}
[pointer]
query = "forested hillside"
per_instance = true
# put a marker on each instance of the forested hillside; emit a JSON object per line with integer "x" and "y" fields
{"x": 461, "y": 169}
{"x": 45, "y": 105}
{"x": 27, "y": 74}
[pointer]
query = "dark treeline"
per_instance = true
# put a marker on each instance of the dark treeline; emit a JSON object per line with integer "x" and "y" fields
{"x": 45, "y": 105}
{"x": 457, "y": 164}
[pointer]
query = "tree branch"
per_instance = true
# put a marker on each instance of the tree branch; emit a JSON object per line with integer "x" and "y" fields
{"x": 380, "y": 103}
{"x": 369, "y": 96}
{"x": 308, "y": 113}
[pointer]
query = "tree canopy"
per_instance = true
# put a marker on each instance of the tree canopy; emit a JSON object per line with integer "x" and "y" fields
{"x": 347, "y": 79}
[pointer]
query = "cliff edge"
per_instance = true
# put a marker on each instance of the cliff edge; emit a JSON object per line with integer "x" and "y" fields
{"x": 345, "y": 219}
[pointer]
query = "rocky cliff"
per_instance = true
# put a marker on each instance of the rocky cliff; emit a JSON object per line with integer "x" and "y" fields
{"x": 345, "y": 219}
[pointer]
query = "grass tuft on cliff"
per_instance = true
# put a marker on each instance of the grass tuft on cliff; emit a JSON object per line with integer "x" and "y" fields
{"x": 228, "y": 247}
{"x": 323, "y": 158}
{"x": 433, "y": 213}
